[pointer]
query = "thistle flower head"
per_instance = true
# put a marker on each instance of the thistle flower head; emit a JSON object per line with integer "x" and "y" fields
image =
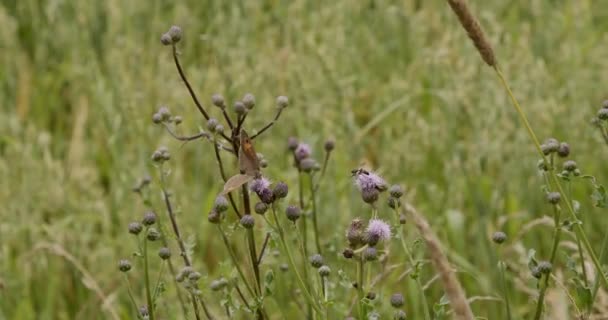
{"x": 302, "y": 151}
{"x": 377, "y": 230}
{"x": 257, "y": 185}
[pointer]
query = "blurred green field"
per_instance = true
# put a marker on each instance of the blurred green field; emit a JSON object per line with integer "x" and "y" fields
{"x": 397, "y": 84}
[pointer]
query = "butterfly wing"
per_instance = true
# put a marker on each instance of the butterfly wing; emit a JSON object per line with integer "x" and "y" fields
{"x": 248, "y": 158}
{"x": 235, "y": 182}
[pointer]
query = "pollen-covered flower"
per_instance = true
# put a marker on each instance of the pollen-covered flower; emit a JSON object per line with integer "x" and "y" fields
{"x": 302, "y": 151}
{"x": 377, "y": 230}
{"x": 259, "y": 184}
{"x": 366, "y": 181}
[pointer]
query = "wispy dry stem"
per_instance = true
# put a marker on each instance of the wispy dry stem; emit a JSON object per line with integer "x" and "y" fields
{"x": 451, "y": 285}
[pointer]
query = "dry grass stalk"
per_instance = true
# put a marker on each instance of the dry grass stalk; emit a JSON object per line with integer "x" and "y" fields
{"x": 471, "y": 25}
{"x": 451, "y": 285}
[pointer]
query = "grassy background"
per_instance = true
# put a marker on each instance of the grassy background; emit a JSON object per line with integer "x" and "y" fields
{"x": 396, "y": 83}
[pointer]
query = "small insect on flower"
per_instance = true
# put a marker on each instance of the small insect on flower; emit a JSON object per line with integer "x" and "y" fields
{"x": 366, "y": 180}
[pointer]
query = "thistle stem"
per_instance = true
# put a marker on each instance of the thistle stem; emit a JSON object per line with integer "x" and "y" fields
{"x": 149, "y": 301}
{"x": 314, "y": 215}
{"x": 292, "y": 263}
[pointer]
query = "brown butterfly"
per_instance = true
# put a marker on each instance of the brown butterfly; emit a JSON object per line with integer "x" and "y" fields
{"x": 249, "y": 165}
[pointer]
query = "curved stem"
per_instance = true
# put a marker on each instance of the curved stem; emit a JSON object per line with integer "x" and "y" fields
{"x": 183, "y": 76}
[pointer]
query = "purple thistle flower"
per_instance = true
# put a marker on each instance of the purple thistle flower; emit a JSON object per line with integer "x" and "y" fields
{"x": 302, "y": 151}
{"x": 367, "y": 181}
{"x": 257, "y": 185}
{"x": 377, "y": 230}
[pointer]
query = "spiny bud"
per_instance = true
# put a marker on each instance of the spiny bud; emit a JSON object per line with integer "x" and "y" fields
{"x": 282, "y": 102}
{"x": 395, "y": 191}
{"x": 164, "y": 253}
{"x": 165, "y": 39}
{"x": 499, "y": 237}
{"x": 549, "y": 146}
{"x": 400, "y": 315}
{"x": 570, "y": 165}
{"x": 214, "y": 217}
{"x": 218, "y": 101}
{"x": 176, "y": 33}
{"x": 280, "y": 190}
{"x": 153, "y": 234}
{"x": 165, "y": 114}
{"x": 563, "y": 150}
{"x": 177, "y": 120}
{"x": 249, "y": 101}
{"x": 292, "y": 143}
{"x": 219, "y": 284}
{"x": 194, "y": 276}
{"x": 348, "y": 253}
{"x": 371, "y": 295}
{"x": 149, "y": 218}
{"x": 329, "y": 145}
{"x": 221, "y": 204}
{"x": 260, "y": 208}
{"x": 157, "y": 118}
{"x": 135, "y": 228}
{"x": 370, "y": 254}
{"x": 324, "y": 271}
{"x": 212, "y": 124}
{"x": 602, "y": 114}
{"x": 544, "y": 267}
{"x": 316, "y": 260}
{"x": 370, "y": 195}
{"x": 124, "y": 265}
{"x": 293, "y": 213}
{"x": 553, "y": 197}
{"x": 308, "y": 164}
{"x": 397, "y": 300}
{"x": 247, "y": 221}
{"x": 536, "y": 273}
{"x": 239, "y": 108}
